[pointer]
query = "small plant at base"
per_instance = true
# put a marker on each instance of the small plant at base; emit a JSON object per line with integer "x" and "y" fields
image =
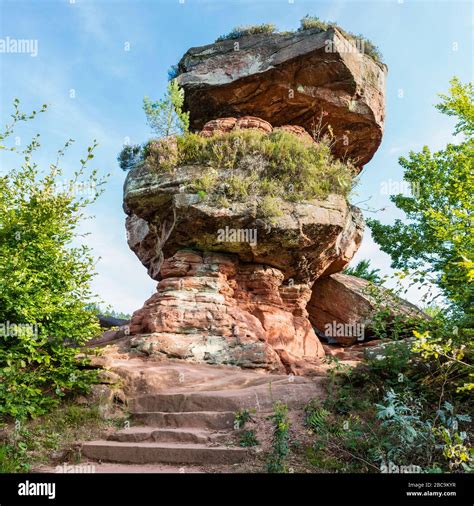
{"x": 248, "y": 438}
{"x": 280, "y": 446}
{"x": 241, "y": 418}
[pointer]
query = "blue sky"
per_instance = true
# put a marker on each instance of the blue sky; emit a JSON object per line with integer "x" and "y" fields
{"x": 97, "y": 59}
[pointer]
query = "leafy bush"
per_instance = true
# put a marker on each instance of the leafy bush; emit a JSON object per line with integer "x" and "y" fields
{"x": 44, "y": 281}
{"x": 313, "y": 23}
{"x": 241, "y": 31}
{"x": 248, "y": 438}
{"x": 43, "y": 440}
{"x": 403, "y": 429}
{"x": 241, "y": 418}
{"x": 280, "y": 446}
{"x": 436, "y": 239}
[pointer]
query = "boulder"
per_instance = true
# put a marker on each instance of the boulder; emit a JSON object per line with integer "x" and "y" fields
{"x": 342, "y": 307}
{"x": 166, "y": 214}
{"x": 307, "y": 79}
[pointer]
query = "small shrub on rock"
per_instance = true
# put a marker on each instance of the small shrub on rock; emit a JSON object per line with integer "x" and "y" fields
{"x": 241, "y": 31}
{"x": 267, "y": 168}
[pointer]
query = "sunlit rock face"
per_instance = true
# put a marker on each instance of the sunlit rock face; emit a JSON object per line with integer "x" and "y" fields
{"x": 308, "y": 78}
{"x": 232, "y": 288}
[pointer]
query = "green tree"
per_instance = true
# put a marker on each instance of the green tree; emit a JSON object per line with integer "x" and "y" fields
{"x": 362, "y": 270}
{"x": 437, "y": 240}
{"x": 166, "y": 116}
{"x": 44, "y": 279}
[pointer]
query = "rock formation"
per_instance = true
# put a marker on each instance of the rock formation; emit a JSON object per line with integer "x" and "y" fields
{"x": 300, "y": 78}
{"x": 211, "y": 307}
{"x": 233, "y": 285}
{"x": 342, "y": 307}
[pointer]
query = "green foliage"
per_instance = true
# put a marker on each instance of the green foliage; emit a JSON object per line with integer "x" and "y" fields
{"x": 270, "y": 207}
{"x": 241, "y": 418}
{"x": 316, "y": 417}
{"x": 280, "y": 446}
{"x": 414, "y": 438}
{"x": 437, "y": 240}
{"x": 450, "y": 355}
{"x": 35, "y": 441}
{"x": 107, "y": 310}
{"x": 353, "y": 431}
{"x": 268, "y": 169}
{"x": 409, "y": 433}
{"x": 306, "y": 23}
{"x": 385, "y": 321}
{"x": 248, "y": 438}
{"x": 241, "y": 31}
{"x": 44, "y": 280}
{"x": 314, "y": 23}
{"x": 166, "y": 116}
{"x": 130, "y": 156}
{"x": 362, "y": 270}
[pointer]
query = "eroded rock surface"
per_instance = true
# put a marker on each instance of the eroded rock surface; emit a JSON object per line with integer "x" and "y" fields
{"x": 211, "y": 307}
{"x": 166, "y": 214}
{"x": 299, "y": 79}
{"x": 342, "y": 307}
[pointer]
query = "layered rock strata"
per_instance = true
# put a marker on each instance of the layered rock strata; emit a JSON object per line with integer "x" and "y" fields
{"x": 307, "y": 78}
{"x": 211, "y": 307}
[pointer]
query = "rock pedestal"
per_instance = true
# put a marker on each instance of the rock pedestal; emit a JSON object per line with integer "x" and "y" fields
{"x": 211, "y": 307}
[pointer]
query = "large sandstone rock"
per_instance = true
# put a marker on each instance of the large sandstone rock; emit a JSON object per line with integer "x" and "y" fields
{"x": 210, "y": 307}
{"x": 305, "y": 79}
{"x": 166, "y": 214}
{"x": 233, "y": 285}
{"x": 342, "y": 307}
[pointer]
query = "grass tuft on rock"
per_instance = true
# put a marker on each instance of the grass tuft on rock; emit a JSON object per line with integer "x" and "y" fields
{"x": 306, "y": 23}
{"x": 240, "y": 31}
{"x": 247, "y": 165}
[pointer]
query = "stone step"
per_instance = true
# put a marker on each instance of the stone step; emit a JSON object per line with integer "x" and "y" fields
{"x": 167, "y": 453}
{"x": 186, "y": 419}
{"x": 159, "y": 435}
{"x": 185, "y": 402}
{"x": 261, "y": 396}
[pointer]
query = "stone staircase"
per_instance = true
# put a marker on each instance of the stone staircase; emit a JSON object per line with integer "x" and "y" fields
{"x": 171, "y": 431}
{"x": 195, "y": 427}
